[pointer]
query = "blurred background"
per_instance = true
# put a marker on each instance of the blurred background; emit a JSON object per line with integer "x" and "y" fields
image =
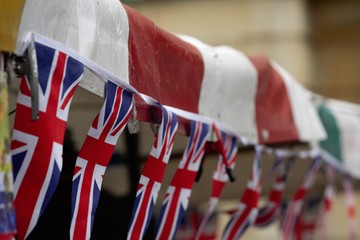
{"x": 318, "y": 42}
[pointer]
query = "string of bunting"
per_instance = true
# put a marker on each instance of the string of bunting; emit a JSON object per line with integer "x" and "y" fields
{"x": 50, "y": 83}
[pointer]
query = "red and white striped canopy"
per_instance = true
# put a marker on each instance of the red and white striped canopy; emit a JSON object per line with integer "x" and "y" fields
{"x": 251, "y": 95}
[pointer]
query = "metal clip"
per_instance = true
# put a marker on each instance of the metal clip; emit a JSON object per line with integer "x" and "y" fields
{"x": 133, "y": 124}
{"x": 221, "y": 150}
{"x": 28, "y": 66}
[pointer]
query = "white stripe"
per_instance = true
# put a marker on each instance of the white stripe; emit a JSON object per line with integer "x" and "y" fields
{"x": 169, "y": 195}
{"x": 82, "y": 164}
{"x": 279, "y": 186}
{"x": 183, "y": 201}
{"x": 96, "y": 179}
{"x": 63, "y": 114}
{"x": 194, "y": 166}
{"x": 113, "y": 139}
{"x": 98, "y": 30}
{"x": 228, "y": 87}
{"x": 306, "y": 119}
{"x": 144, "y": 181}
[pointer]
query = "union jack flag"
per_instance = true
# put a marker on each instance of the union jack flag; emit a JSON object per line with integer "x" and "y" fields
{"x": 294, "y": 207}
{"x": 152, "y": 175}
{"x": 178, "y": 193}
{"x": 94, "y": 156}
{"x": 271, "y": 211}
{"x": 329, "y": 195}
{"x": 306, "y": 221}
{"x": 350, "y": 205}
{"x": 220, "y": 178}
{"x": 247, "y": 211}
{"x": 36, "y": 146}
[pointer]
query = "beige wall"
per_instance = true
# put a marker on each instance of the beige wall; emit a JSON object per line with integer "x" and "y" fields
{"x": 276, "y": 28}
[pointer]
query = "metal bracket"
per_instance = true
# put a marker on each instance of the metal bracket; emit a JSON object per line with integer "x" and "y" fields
{"x": 133, "y": 124}
{"x": 28, "y": 66}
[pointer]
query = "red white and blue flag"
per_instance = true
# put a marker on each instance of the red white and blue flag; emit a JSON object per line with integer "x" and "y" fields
{"x": 245, "y": 215}
{"x": 271, "y": 211}
{"x": 178, "y": 193}
{"x": 36, "y": 146}
{"x": 152, "y": 175}
{"x": 307, "y": 221}
{"x": 328, "y": 199}
{"x": 350, "y": 205}
{"x": 94, "y": 157}
{"x": 294, "y": 207}
{"x": 220, "y": 178}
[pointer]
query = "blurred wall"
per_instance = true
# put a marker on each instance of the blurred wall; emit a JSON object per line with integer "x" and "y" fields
{"x": 276, "y": 28}
{"x": 335, "y": 37}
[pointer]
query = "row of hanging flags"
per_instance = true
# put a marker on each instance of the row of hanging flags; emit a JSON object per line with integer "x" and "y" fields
{"x": 218, "y": 96}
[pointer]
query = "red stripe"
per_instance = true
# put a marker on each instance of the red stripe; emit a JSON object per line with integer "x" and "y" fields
{"x": 217, "y": 188}
{"x": 123, "y": 121}
{"x": 76, "y": 170}
{"x": 102, "y": 154}
{"x": 351, "y": 210}
{"x": 250, "y": 198}
{"x": 57, "y": 79}
{"x": 154, "y": 169}
{"x": 16, "y": 144}
{"x": 114, "y": 113}
{"x": 144, "y": 209}
{"x": 95, "y": 122}
{"x": 82, "y": 214}
{"x": 68, "y": 97}
{"x": 261, "y": 219}
{"x": 183, "y": 178}
{"x": 327, "y": 204}
{"x": 170, "y": 217}
{"x": 272, "y": 100}
{"x": 300, "y": 194}
{"x": 163, "y": 66}
{"x": 24, "y": 87}
{"x": 275, "y": 196}
{"x": 239, "y": 222}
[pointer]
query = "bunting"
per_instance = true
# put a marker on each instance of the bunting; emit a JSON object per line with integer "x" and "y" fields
{"x": 328, "y": 199}
{"x": 152, "y": 175}
{"x": 247, "y": 211}
{"x": 271, "y": 211}
{"x": 36, "y": 146}
{"x": 227, "y": 86}
{"x": 178, "y": 193}
{"x": 306, "y": 222}
{"x": 219, "y": 179}
{"x": 94, "y": 156}
{"x": 294, "y": 207}
{"x": 350, "y": 206}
